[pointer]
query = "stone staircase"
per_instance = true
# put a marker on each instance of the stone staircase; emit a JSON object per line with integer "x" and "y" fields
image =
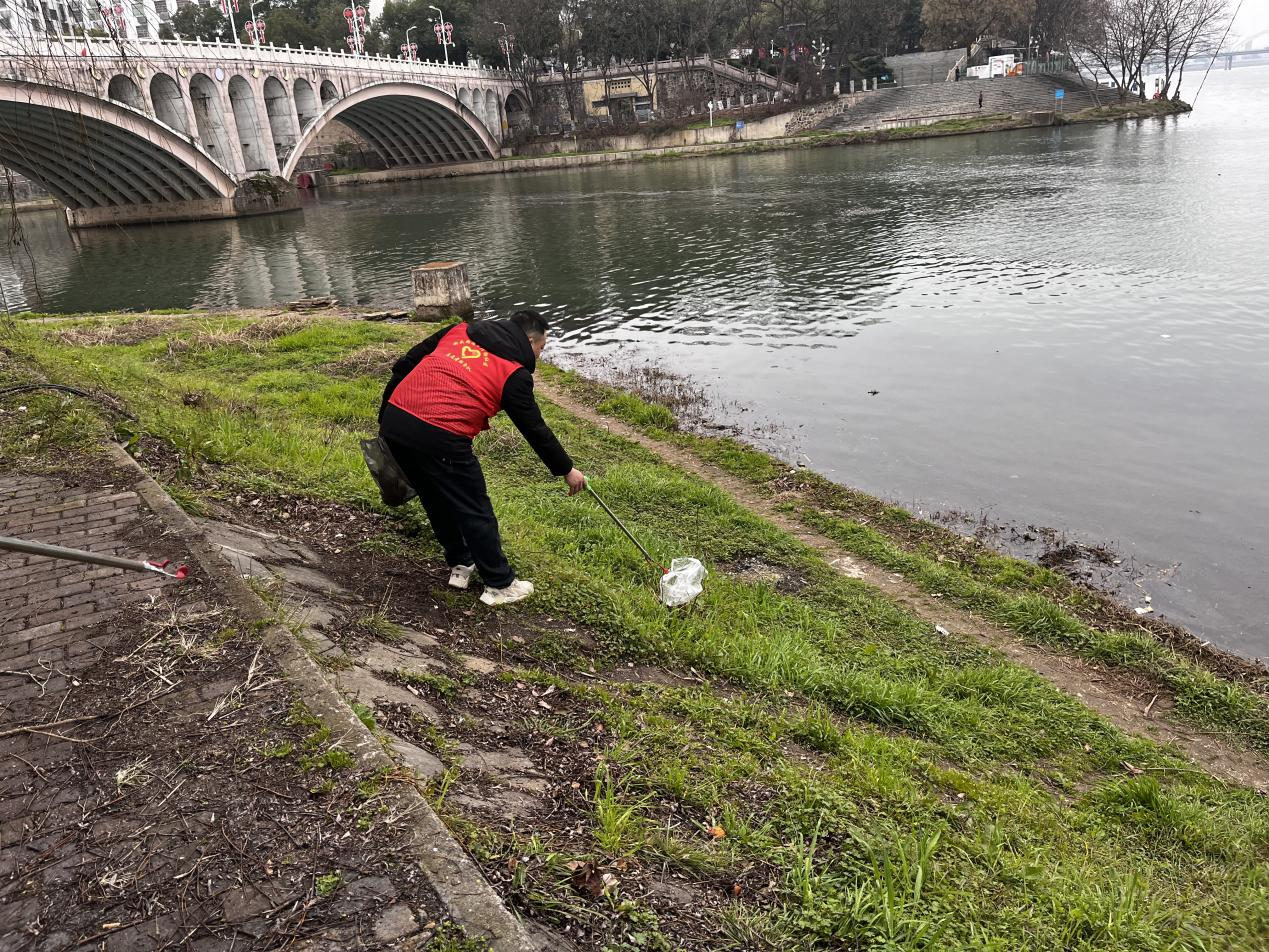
{"x": 923, "y": 69}
{"x": 914, "y": 105}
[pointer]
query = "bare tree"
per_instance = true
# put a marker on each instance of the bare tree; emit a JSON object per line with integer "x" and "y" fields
{"x": 535, "y": 26}
{"x": 950, "y": 23}
{"x": 859, "y": 26}
{"x": 1187, "y": 27}
{"x": 1120, "y": 37}
{"x": 647, "y": 26}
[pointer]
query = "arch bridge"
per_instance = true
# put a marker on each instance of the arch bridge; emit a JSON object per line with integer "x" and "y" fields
{"x": 157, "y": 130}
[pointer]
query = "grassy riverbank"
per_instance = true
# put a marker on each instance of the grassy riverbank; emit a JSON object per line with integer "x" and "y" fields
{"x": 806, "y": 761}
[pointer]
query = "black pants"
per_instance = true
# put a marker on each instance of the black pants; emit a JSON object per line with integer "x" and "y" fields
{"x": 452, "y": 491}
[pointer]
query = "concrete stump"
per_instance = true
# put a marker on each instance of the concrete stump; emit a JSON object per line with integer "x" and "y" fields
{"x": 440, "y": 291}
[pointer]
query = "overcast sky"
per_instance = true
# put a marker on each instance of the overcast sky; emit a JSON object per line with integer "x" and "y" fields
{"x": 1253, "y": 19}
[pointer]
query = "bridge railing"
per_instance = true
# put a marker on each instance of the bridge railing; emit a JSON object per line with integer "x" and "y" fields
{"x": 72, "y": 49}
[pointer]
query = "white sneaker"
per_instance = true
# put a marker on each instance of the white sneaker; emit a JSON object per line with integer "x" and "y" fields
{"x": 504, "y": 596}
{"x": 460, "y": 575}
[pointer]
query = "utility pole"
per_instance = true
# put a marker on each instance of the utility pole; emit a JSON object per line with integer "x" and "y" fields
{"x": 407, "y": 48}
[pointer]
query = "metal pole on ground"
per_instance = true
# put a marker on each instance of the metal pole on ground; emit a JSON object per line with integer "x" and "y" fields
{"x": 92, "y": 558}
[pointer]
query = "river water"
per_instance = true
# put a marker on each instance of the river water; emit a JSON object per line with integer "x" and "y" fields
{"x": 1067, "y": 328}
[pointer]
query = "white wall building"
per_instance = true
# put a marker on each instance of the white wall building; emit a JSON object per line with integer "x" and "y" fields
{"x": 135, "y": 19}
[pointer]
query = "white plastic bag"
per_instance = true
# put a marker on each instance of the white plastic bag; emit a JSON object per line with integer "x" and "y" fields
{"x": 683, "y": 582}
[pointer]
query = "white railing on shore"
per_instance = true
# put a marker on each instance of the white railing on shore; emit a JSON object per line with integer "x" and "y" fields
{"x": 671, "y": 67}
{"x": 97, "y": 49}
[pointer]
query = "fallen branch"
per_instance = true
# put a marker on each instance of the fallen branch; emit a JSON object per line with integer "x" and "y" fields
{"x": 41, "y": 728}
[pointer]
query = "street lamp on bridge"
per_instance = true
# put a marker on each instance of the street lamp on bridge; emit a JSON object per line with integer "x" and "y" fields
{"x": 506, "y": 42}
{"x": 229, "y": 8}
{"x": 355, "y": 16}
{"x": 409, "y": 50}
{"x": 255, "y": 26}
{"x": 444, "y": 31}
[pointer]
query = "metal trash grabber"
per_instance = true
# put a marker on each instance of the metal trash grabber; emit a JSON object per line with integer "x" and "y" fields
{"x": 681, "y": 582}
{"x": 622, "y": 526}
{"x": 93, "y": 558}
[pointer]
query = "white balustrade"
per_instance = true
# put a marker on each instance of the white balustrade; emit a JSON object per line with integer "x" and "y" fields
{"x": 101, "y": 51}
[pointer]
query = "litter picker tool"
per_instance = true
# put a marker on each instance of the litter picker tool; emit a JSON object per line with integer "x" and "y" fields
{"x": 179, "y": 572}
{"x": 681, "y": 582}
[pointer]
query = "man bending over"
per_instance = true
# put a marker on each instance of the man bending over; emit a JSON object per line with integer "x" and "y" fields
{"x": 442, "y": 393}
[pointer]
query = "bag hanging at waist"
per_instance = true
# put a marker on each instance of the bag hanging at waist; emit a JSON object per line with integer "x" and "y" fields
{"x": 394, "y": 488}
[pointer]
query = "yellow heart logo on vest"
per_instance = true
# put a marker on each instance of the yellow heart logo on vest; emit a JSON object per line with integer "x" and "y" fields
{"x": 470, "y": 353}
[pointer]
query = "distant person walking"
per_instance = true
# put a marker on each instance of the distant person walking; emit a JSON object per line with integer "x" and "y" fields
{"x": 980, "y": 99}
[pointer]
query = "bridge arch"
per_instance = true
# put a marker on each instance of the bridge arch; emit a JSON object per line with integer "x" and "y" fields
{"x": 306, "y": 107}
{"x": 242, "y": 102}
{"x": 328, "y": 91}
{"x": 124, "y": 89}
{"x": 517, "y": 109}
{"x": 95, "y": 153}
{"x": 406, "y": 124}
{"x": 209, "y": 119}
{"x": 283, "y": 129}
{"x": 169, "y": 104}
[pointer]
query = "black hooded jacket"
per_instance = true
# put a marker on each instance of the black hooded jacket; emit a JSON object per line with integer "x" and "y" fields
{"x": 507, "y": 340}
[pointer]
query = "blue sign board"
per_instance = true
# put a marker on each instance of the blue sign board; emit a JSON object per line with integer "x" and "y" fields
{"x": 1059, "y": 94}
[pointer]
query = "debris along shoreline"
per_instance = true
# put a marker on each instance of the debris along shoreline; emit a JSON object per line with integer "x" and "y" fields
{"x": 797, "y": 760}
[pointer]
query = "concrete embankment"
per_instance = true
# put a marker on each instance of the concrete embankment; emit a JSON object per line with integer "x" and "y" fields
{"x": 886, "y": 115}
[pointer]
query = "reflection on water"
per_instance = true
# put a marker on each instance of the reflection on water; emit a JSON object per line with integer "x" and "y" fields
{"x": 1063, "y": 326}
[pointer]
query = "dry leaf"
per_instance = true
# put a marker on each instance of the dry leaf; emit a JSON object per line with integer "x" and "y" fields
{"x": 590, "y": 881}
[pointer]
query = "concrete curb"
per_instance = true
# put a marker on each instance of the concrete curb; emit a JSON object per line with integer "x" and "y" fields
{"x": 457, "y": 879}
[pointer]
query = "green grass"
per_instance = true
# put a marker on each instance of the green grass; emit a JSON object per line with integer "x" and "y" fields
{"x": 865, "y": 784}
{"x": 441, "y": 685}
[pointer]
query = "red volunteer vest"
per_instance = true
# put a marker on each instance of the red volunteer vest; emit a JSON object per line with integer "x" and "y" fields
{"x": 456, "y": 387}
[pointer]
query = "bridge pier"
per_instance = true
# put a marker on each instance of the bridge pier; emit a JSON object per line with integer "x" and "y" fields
{"x": 256, "y": 196}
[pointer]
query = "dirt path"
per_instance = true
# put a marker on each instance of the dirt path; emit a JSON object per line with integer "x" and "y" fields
{"x": 1133, "y": 707}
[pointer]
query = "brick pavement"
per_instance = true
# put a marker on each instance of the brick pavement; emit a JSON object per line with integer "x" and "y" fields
{"x": 50, "y": 611}
{"x": 149, "y": 807}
